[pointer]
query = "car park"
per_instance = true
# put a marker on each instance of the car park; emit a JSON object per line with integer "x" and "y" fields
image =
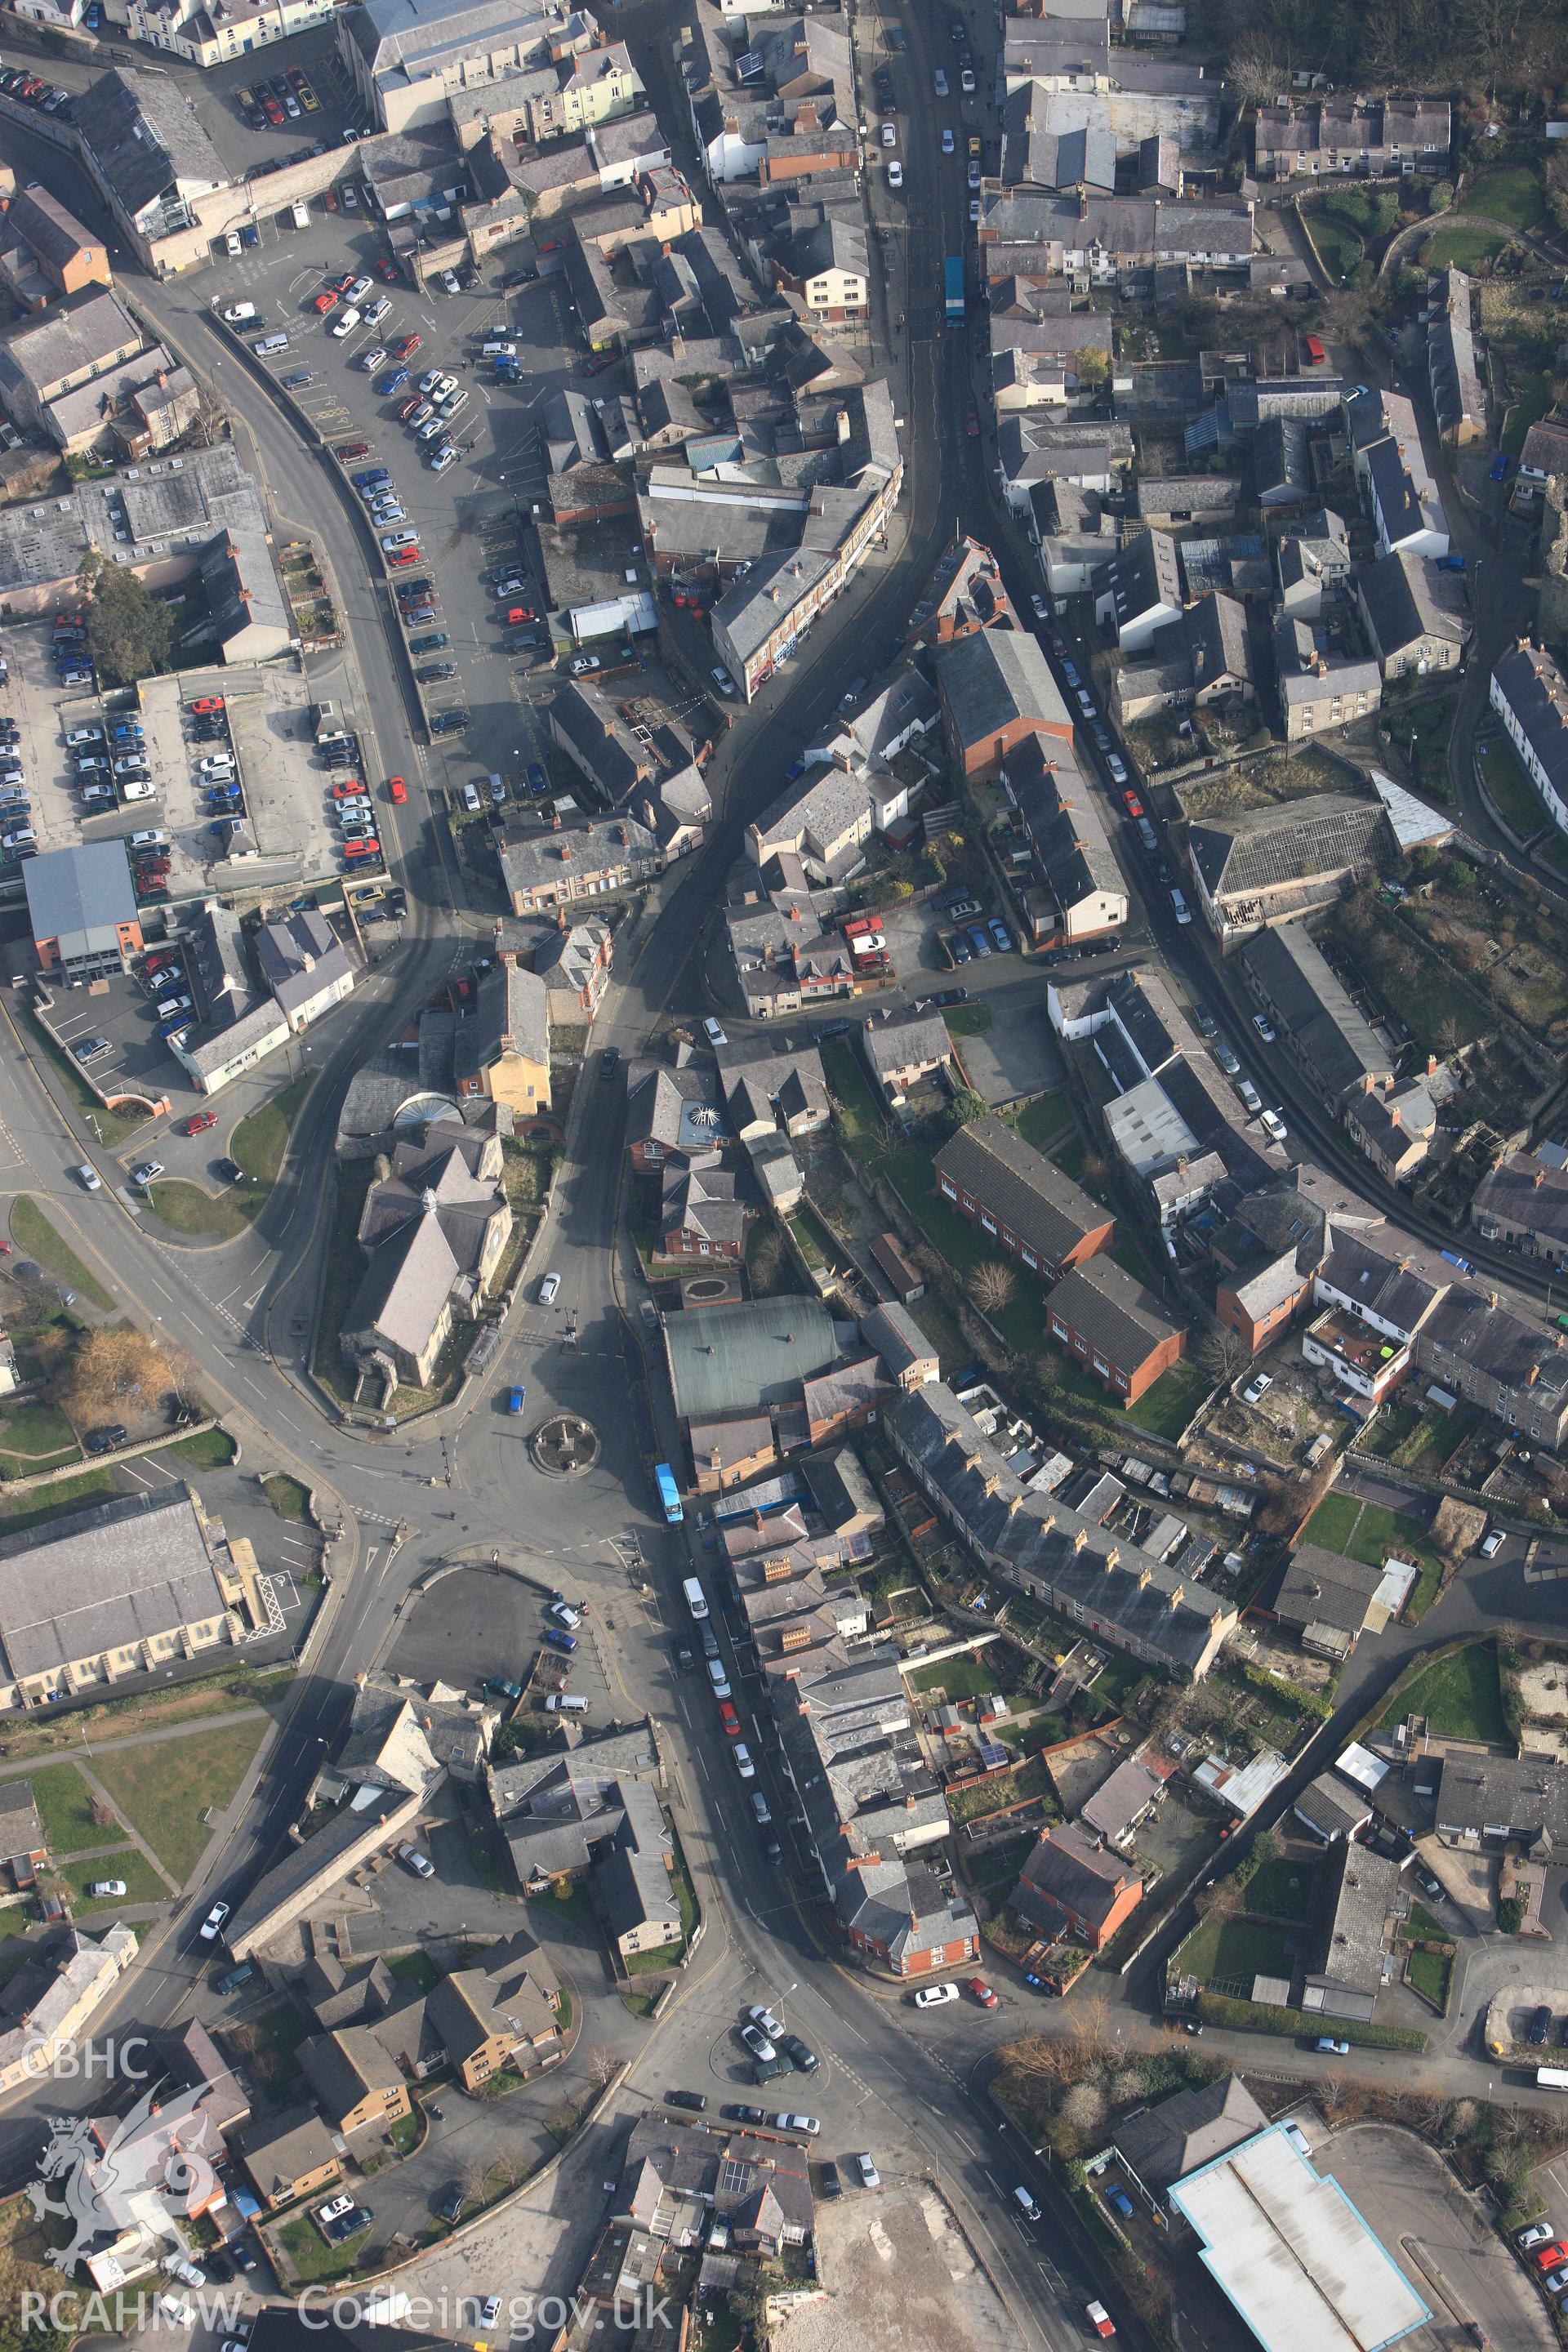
{"x": 1534, "y": 2233}
{"x": 757, "y": 2042}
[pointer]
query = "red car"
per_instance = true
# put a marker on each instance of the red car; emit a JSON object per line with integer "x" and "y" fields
{"x": 729, "y": 1719}
{"x": 972, "y": 424}
{"x": 349, "y": 450}
{"x": 350, "y": 789}
{"x": 405, "y": 346}
{"x": 70, "y": 621}
{"x": 273, "y": 112}
{"x": 326, "y": 301}
{"x": 330, "y": 199}
{"x": 408, "y": 406}
{"x": 156, "y": 963}
{"x": 200, "y": 1123}
{"x": 596, "y": 360}
{"x": 397, "y": 790}
{"x": 982, "y": 1991}
{"x": 368, "y": 847}
{"x": 1546, "y": 2258}
{"x": 387, "y": 270}
{"x": 516, "y": 613}
{"x": 403, "y": 557}
{"x": 207, "y": 704}
{"x": 1131, "y": 804}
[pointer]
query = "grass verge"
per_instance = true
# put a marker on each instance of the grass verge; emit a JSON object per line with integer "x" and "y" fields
{"x": 65, "y": 1805}
{"x": 286, "y": 1495}
{"x": 166, "y": 1790}
{"x": 32, "y": 1232}
{"x": 1259, "y": 2017}
{"x": 209, "y": 1449}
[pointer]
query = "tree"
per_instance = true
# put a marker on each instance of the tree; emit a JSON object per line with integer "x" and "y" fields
{"x": 965, "y": 1104}
{"x": 109, "y": 1372}
{"x": 603, "y": 2064}
{"x": 1083, "y": 2108}
{"x": 128, "y": 629}
{"x": 991, "y": 1286}
{"x": 765, "y": 1257}
{"x": 1223, "y": 1353}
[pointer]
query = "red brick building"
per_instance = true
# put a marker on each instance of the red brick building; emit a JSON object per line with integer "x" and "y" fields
{"x": 996, "y": 687}
{"x": 1260, "y": 1302}
{"x": 1003, "y": 1185}
{"x": 1114, "y": 1328}
{"x": 1072, "y": 1886}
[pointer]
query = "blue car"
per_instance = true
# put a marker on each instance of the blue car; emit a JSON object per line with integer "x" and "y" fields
{"x": 1121, "y": 2201}
{"x": 372, "y": 475}
{"x": 514, "y": 1397}
{"x": 1002, "y": 935}
{"x": 393, "y": 382}
{"x": 537, "y": 780}
{"x": 1501, "y": 465}
{"x": 981, "y": 943}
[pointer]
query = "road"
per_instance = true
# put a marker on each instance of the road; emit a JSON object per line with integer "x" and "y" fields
{"x": 461, "y": 1482}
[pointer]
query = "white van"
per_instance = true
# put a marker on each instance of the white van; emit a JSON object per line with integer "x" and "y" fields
{"x": 1025, "y": 2204}
{"x": 696, "y": 1598}
{"x": 718, "y": 1678}
{"x": 498, "y": 351}
{"x": 268, "y": 344}
{"x": 565, "y": 1703}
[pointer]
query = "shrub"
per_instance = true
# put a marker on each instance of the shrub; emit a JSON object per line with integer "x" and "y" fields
{"x": 1510, "y": 1915}
{"x": 1440, "y": 195}
{"x": 1275, "y": 1686}
{"x": 1262, "y": 2017}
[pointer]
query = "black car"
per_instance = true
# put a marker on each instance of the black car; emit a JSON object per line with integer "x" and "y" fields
{"x": 609, "y": 1061}
{"x": 523, "y": 276}
{"x": 453, "y": 2201}
{"x": 951, "y": 996}
{"x": 1427, "y": 1882}
{"x": 831, "y": 2184}
{"x": 451, "y": 722}
{"x": 695, "y": 2100}
{"x": 735, "y": 2114}
{"x": 231, "y": 1171}
{"x": 102, "y": 1441}
{"x": 805, "y": 2057}
{"x": 433, "y": 672}
{"x": 1540, "y": 2025}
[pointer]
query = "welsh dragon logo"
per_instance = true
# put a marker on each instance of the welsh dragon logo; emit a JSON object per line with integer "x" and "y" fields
{"x": 154, "y": 2170}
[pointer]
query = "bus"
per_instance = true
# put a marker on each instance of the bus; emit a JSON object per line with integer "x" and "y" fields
{"x": 952, "y": 285}
{"x": 696, "y": 1598}
{"x": 1551, "y": 2078}
{"x": 668, "y": 1494}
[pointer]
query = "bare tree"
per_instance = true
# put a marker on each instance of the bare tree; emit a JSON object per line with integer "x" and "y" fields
{"x": 1220, "y": 1901}
{"x": 602, "y": 2065}
{"x": 1255, "y": 71}
{"x": 1089, "y": 2018}
{"x": 109, "y": 1372}
{"x": 992, "y": 1286}
{"x": 1083, "y": 2109}
{"x": 1223, "y": 1353}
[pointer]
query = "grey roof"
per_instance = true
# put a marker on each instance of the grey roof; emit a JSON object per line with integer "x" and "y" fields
{"x": 21, "y": 1831}
{"x": 592, "y": 848}
{"x": 1458, "y": 395}
{"x": 1290, "y": 841}
{"x": 738, "y": 1358}
{"x": 116, "y": 1575}
{"x": 1401, "y": 598}
{"x": 73, "y": 340}
{"x": 1333, "y": 1806}
{"x": 633, "y": 1878}
{"x": 346, "y": 2066}
{"x": 1119, "y": 1801}
{"x": 1526, "y": 1797}
{"x": 1164, "y": 2142}
{"x": 1534, "y": 690}
{"x": 678, "y": 1108}
{"x": 286, "y": 2147}
{"x": 1039, "y": 1540}
{"x": 75, "y": 894}
{"x": 1471, "y": 1327}
{"x": 1324, "y": 1588}
{"x": 510, "y": 1014}
{"x": 1049, "y": 1212}
{"x": 1528, "y": 1191}
{"x": 405, "y": 1287}
{"x": 1186, "y": 494}
{"x": 994, "y": 677}
{"x": 898, "y": 1338}
{"x": 146, "y": 139}
{"x": 1389, "y": 1277}
{"x": 1217, "y": 640}
{"x": 904, "y": 1039}
{"x": 1114, "y": 1311}
{"x": 1368, "y": 1891}
{"x": 1067, "y": 1867}
{"x": 1329, "y": 1031}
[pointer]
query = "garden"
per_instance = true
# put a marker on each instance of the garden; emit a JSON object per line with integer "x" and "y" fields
{"x": 1372, "y": 1534}
{"x": 1459, "y": 1695}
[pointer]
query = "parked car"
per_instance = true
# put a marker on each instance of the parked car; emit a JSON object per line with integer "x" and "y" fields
{"x": 936, "y": 1996}
{"x": 420, "y": 1865}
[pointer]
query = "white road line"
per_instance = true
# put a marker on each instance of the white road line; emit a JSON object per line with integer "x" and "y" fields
{"x": 253, "y": 1384}
{"x": 132, "y": 1472}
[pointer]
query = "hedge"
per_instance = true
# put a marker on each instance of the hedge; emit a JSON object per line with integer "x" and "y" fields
{"x": 1262, "y": 2017}
{"x": 1275, "y": 1686}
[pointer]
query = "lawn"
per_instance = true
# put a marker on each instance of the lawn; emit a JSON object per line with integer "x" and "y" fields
{"x": 1431, "y": 1973}
{"x": 963, "y": 1247}
{"x": 65, "y": 1805}
{"x": 187, "y": 1209}
{"x": 1518, "y": 804}
{"x": 1070, "y": 1156}
{"x": 1282, "y": 1889}
{"x": 1460, "y": 1695}
{"x": 209, "y": 1449}
{"x": 113, "y": 1126}
{"x": 32, "y": 1231}
{"x": 968, "y": 1019}
{"x": 415, "y": 1968}
{"x": 1515, "y": 196}
{"x": 860, "y": 1122}
{"x": 54, "y": 1502}
{"x": 1338, "y": 245}
{"x": 662, "y": 1955}
{"x": 572, "y": 1903}
{"x": 1372, "y": 1534}
{"x": 143, "y": 1884}
{"x": 258, "y": 1144}
{"x": 1237, "y": 1950}
{"x": 1041, "y": 1121}
{"x": 1166, "y": 1409}
{"x": 964, "y": 1677}
{"x": 312, "y": 2256}
{"x": 1460, "y": 244}
{"x": 287, "y": 1496}
{"x": 1334, "y": 1522}
{"x": 166, "y": 1790}
{"x": 36, "y": 1437}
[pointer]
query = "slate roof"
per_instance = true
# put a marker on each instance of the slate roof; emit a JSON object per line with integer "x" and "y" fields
{"x": 1332, "y": 1806}
{"x": 992, "y": 1162}
{"x": 1401, "y": 597}
{"x": 1291, "y": 841}
{"x": 1162, "y": 2143}
{"x": 102, "y": 1579}
{"x": 1217, "y": 641}
{"x": 1319, "y": 1014}
{"x": 1527, "y": 1795}
{"x": 1534, "y": 690}
{"x": 1110, "y": 1308}
{"x": 1490, "y": 1339}
{"x": 1369, "y": 1271}
{"x": 511, "y": 1013}
{"x": 1066, "y": 1865}
{"x": 907, "y": 1039}
{"x": 286, "y": 2147}
{"x": 21, "y": 1831}
{"x": 1529, "y": 1192}
{"x": 994, "y": 677}
{"x": 1324, "y": 1588}
{"x": 145, "y": 139}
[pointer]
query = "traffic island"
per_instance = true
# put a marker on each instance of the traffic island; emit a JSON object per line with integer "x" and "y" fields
{"x": 565, "y": 1446}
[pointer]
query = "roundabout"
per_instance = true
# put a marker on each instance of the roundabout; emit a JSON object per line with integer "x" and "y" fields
{"x": 565, "y": 1446}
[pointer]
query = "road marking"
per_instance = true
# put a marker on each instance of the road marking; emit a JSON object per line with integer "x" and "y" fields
{"x": 253, "y": 1384}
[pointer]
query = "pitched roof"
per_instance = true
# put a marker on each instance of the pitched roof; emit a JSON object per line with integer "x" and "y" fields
{"x": 117, "y": 1575}
{"x": 1112, "y": 1310}
{"x": 1321, "y": 1017}
{"x": 1049, "y": 1212}
{"x": 994, "y": 677}
{"x": 1162, "y": 2143}
{"x": 1324, "y": 1588}
{"x": 1069, "y": 1868}
{"x": 1290, "y": 841}
{"x": 1535, "y": 691}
